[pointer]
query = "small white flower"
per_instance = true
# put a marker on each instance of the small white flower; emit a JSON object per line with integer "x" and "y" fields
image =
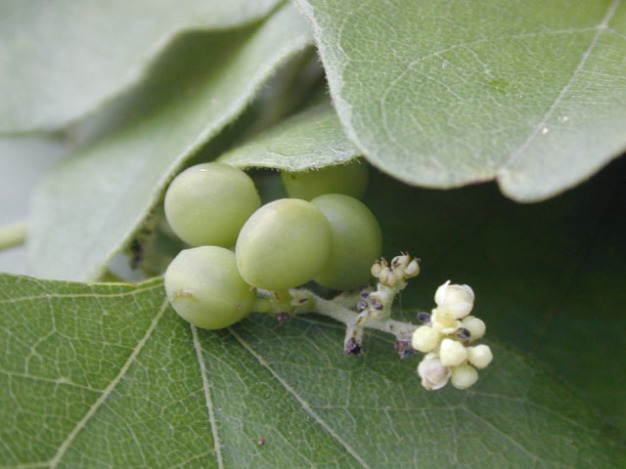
{"x": 480, "y": 356}
{"x": 394, "y": 278}
{"x": 384, "y": 273}
{"x": 475, "y": 326}
{"x": 444, "y": 321}
{"x": 434, "y": 375}
{"x": 400, "y": 262}
{"x": 463, "y": 376}
{"x": 452, "y": 353}
{"x": 413, "y": 269}
{"x": 425, "y": 339}
{"x": 458, "y": 298}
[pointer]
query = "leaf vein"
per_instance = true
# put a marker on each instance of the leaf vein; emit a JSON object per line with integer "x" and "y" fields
{"x": 305, "y": 405}
{"x": 539, "y": 128}
{"x": 109, "y": 389}
{"x": 58, "y": 381}
{"x": 208, "y": 397}
{"x": 49, "y": 296}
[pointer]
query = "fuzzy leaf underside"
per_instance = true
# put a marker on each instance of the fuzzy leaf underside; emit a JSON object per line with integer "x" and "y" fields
{"x": 90, "y": 204}
{"x": 61, "y": 59}
{"x": 444, "y": 94}
{"x": 312, "y": 139}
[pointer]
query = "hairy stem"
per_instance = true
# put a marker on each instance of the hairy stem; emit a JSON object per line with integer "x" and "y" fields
{"x": 338, "y": 312}
{"x": 13, "y": 235}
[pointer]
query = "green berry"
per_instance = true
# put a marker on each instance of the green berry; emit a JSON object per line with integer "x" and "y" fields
{"x": 349, "y": 179}
{"x": 205, "y": 288}
{"x": 283, "y": 244}
{"x": 208, "y": 204}
{"x": 356, "y": 242}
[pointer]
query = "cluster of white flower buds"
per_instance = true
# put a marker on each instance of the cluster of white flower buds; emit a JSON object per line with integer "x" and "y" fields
{"x": 402, "y": 267}
{"x": 391, "y": 278}
{"x": 447, "y": 340}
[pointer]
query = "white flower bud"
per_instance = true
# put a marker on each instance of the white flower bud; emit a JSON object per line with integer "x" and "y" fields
{"x": 400, "y": 262}
{"x": 475, "y": 326}
{"x": 434, "y": 375}
{"x": 452, "y": 353}
{"x": 443, "y": 320}
{"x": 412, "y": 269}
{"x": 463, "y": 376}
{"x": 397, "y": 275}
{"x": 375, "y": 270}
{"x": 425, "y": 339}
{"x": 480, "y": 356}
{"x": 458, "y": 298}
{"x": 384, "y": 273}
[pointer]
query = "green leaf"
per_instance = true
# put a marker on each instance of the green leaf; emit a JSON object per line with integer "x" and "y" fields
{"x": 108, "y": 375}
{"x": 549, "y": 278}
{"x": 311, "y": 139}
{"x": 61, "y": 59}
{"x": 443, "y": 94}
{"x": 91, "y": 203}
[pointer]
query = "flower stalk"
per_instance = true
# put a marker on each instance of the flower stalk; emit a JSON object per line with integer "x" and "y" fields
{"x": 446, "y": 335}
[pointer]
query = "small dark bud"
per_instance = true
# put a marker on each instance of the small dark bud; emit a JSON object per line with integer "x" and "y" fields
{"x": 361, "y": 306}
{"x": 136, "y": 249}
{"x": 463, "y": 333}
{"x": 423, "y": 317}
{"x": 352, "y": 347}
{"x": 404, "y": 348}
{"x": 283, "y": 317}
{"x": 365, "y": 294}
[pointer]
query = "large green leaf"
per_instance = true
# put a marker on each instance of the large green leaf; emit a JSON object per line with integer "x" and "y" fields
{"x": 60, "y": 59}
{"x": 108, "y": 375}
{"x": 442, "y": 94}
{"x": 91, "y": 203}
{"x": 549, "y": 278}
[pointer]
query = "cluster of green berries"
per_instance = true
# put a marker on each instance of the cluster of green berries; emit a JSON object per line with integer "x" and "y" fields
{"x": 321, "y": 233}
{"x": 245, "y": 256}
{"x": 448, "y": 339}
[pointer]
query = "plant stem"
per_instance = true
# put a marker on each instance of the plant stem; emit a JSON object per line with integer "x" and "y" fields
{"x": 335, "y": 310}
{"x": 13, "y": 235}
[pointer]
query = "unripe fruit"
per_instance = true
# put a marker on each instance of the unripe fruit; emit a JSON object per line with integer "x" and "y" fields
{"x": 349, "y": 179}
{"x": 283, "y": 244}
{"x": 356, "y": 242}
{"x": 207, "y": 204}
{"x": 204, "y": 287}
